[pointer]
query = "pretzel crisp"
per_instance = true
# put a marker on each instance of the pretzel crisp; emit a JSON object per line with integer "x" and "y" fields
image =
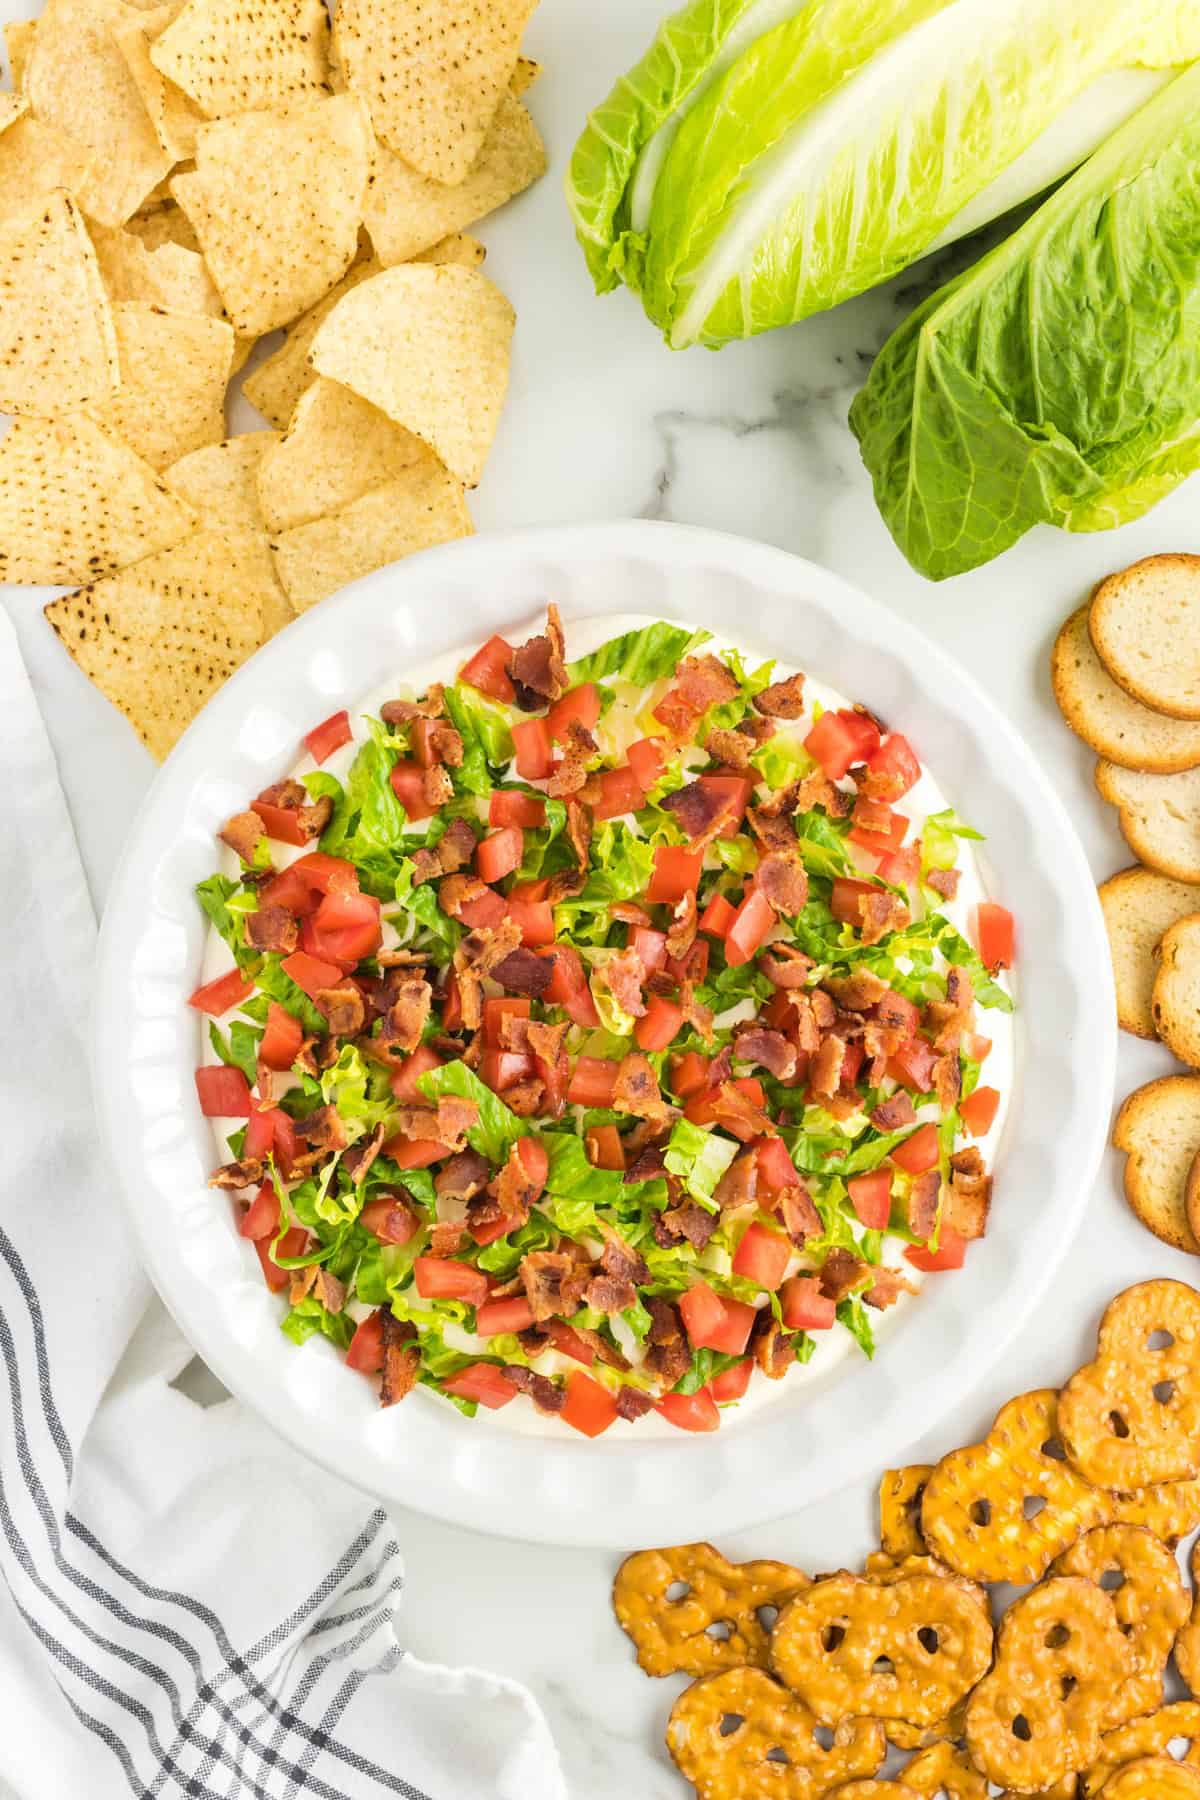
{"x": 740, "y": 1735}
{"x": 907, "y": 1651}
{"x": 1187, "y": 1644}
{"x": 943, "y": 1769}
{"x": 1132, "y": 1417}
{"x": 900, "y": 1495}
{"x": 1148, "y": 1597}
{"x": 887, "y": 1570}
{"x": 1039, "y": 1715}
{"x": 1144, "y": 1737}
{"x": 714, "y": 1624}
{"x": 875, "y": 1790}
{"x": 1004, "y": 1509}
{"x": 1171, "y": 1510}
{"x": 1153, "y": 1778}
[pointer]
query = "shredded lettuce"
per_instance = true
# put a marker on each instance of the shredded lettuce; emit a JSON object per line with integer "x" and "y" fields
{"x": 497, "y": 1128}
{"x": 699, "y": 1158}
{"x": 273, "y": 979}
{"x": 240, "y": 1049}
{"x": 214, "y": 896}
{"x": 649, "y": 654}
{"x": 853, "y": 1315}
{"x": 486, "y": 732}
{"x": 310, "y": 1319}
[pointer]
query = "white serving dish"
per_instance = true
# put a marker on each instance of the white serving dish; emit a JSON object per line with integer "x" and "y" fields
{"x": 559, "y": 1488}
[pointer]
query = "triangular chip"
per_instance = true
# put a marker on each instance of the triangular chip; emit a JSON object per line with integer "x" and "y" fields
{"x": 276, "y": 201}
{"x": 405, "y": 213}
{"x": 175, "y": 116}
{"x": 78, "y": 80}
{"x": 429, "y": 347}
{"x": 337, "y": 448}
{"x": 169, "y": 276}
{"x": 221, "y": 481}
{"x": 18, "y": 41}
{"x": 432, "y": 72}
{"x": 234, "y": 56}
{"x": 161, "y": 637}
{"x": 422, "y": 507}
{"x": 458, "y": 248}
{"x": 174, "y": 371}
{"x": 76, "y": 504}
{"x": 58, "y": 345}
{"x": 277, "y": 383}
{"x": 34, "y": 160}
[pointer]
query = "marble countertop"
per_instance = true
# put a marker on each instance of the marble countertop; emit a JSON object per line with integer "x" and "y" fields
{"x": 603, "y": 421}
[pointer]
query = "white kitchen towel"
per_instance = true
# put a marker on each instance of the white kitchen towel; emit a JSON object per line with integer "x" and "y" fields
{"x": 188, "y": 1609}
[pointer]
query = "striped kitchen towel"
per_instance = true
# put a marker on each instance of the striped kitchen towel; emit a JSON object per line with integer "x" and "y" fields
{"x": 187, "y": 1607}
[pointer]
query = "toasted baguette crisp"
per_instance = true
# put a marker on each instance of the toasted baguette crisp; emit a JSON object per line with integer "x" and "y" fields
{"x": 1139, "y": 904}
{"x": 1176, "y": 1002}
{"x": 1159, "y": 816}
{"x": 1158, "y": 1128}
{"x": 1109, "y": 719}
{"x": 1145, "y": 625}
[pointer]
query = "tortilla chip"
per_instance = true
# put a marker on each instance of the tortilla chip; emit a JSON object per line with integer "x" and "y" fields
{"x": 337, "y": 448}
{"x": 235, "y": 56}
{"x": 430, "y": 348}
{"x": 276, "y": 200}
{"x": 524, "y": 75}
{"x": 58, "y": 344}
{"x": 432, "y": 72}
{"x": 12, "y": 106}
{"x": 169, "y": 277}
{"x": 221, "y": 481}
{"x": 458, "y": 248}
{"x": 78, "y": 80}
{"x": 280, "y": 379}
{"x": 174, "y": 371}
{"x": 161, "y": 637}
{"x": 18, "y": 41}
{"x": 422, "y": 507}
{"x": 405, "y": 213}
{"x": 75, "y": 503}
{"x": 34, "y": 160}
{"x": 175, "y": 116}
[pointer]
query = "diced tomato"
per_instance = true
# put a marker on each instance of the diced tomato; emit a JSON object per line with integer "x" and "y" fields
{"x": 569, "y": 1342}
{"x": 805, "y": 1307}
{"x": 978, "y": 1111}
{"x": 497, "y": 1009}
{"x": 227, "y": 991}
{"x": 499, "y": 854}
{"x": 701, "y": 1107}
{"x": 976, "y": 1047}
{"x": 261, "y": 1217}
{"x": 482, "y": 1382}
{"x": 900, "y": 868}
{"x": 852, "y": 1062}
{"x": 840, "y": 739}
{"x": 484, "y": 912}
{"x": 732, "y": 1382}
{"x": 260, "y": 1134}
{"x": 993, "y": 930}
{"x": 692, "y": 966}
{"x": 650, "y": 945}
{"x": 918, "y": 1152}
{"x": 588, "y": 1407}
{"x": 508, "y": 807}
{"x": 328, "y": 874}
{"x": 620, "y": 792}
{"x": 912, "y": 1065}
{"x": 535, "y": 758}
{"x": 647, "y": 758}
{"x": 424, "y": 742}
{"x": 844, "y": 901}
{"x": 349, "y": 926}
{"x": 328, "y": 736}
{"x": 366, "y": 1346}
{"x": 713, "y": 1323}
{"x": 390, "y": 1219}
{"x": 877, "y": 828}
{"x": 871, "y": 1198}
{"x": 731, "y": 787}
{"x": 718, "y": 916}
{"x": 762, "y": 1256}
{"x": 568, "y": 986}
{"x": 951, "y": 1252}
{"x": 676, "y": 712}
{"x": 776, "y": 1171}
{"x": 310, "y": 974}
{"x": 279, "y": 822}
{"x": 439, "y": 1278}
{"x": 498, "y": 1316}
{"x": 224, "y": 1093}
{"x": 408, "y": 785}
{"x": 554, "y": 1078}
{"x": 659, "y": 1025}
{"x": 414, "y": 1153}
{"x": 676, "y": 873}
{"x": 487, "y": 1234}
{"x": 604, "y": 1147}
{"x": 406, "y": 1074}
{"x": 749, "y": 928}
{"x": 894, "y": 766}
{"x": 690, "y": 1412}
{"x": 592, "y": 1081}
{"x": 689, "y": 1074}
{"x": 535, "y": 1160}
{"x": 292, "y": 890}
{"x": 579, "y": 705}
{"x": 487, "y": 671}
{"x": 281, "y": 1039}
{"x": 292, "y": 1243}
{"x": 534, "y": 918}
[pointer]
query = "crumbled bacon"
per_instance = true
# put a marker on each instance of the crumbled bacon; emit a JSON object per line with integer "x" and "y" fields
{"x": 523, "y": 971}
{"x": 525, "y": 1097}
{"x": 546, "y": 1041}
{"x": 738, "y": 1186}
{"x": 773, "y": 831}
{"x": 622, "y": 977}
{"x": 403, "y": 712}
{"x": 944, "y": 882}
{"x": 684, "y": 925}
{"x": 272, "y": 928}
{"x": 948, "y": 1019}
{"x": 311, "y": 817}
{"x": 632, "y": 1403}
{"x": 924, "y": 1201}
{"x": 546, "y": 1276}
{"x": 698, "y": 1016}
{"x": 436, "y": 786}
{"x": 405, "y": 1021}
{"x": 401, "y": 1358}
{"x": 246, "y": 1173}
{"x": 402, "y": 959}
{"x": 858, "y": 991}
{"x": 446, "y": 1123}
{"x": 947, "y": 1080}
{"x": 667, "y": 1356}
{"x": 705, "y": 680}
{"x": 644, "y": 1165}
{"x": 512, "y": 1191}
{"x": 477, "y": 955}
{"x": 823, "y": 1009}
{"x": 738, "y": 1112}
{"x": 445, "y": 745}
{"x": 570, "y": 775}
{"x": 881, "y": 913}
{"x": 784, "y": 966}
{"x": 323, "y": 1129}
{"x": 817, "y": 790}
{"x": 766, "y": 1049}
{"x": 313, "y": 1279}
{"x": 357, "y": 1159}
{"x": 825, "y": 1075}
{"x": 426, "y": 866}
{"x": 446, "y": 1236}
{"x": 538, "y": 667}
{"x": 689, "y": 1223}
{"x": 546, "y": 1395}
{"x": 464, "y": 1176}
{"x": 801, "y": 1220}
{"x": 894, "y": 1113}
{"x": 841, "y": 1273}
{"x": 457, "y": 891}
{"x": 620, "y": 1260}
{"x": 969, "y": 1197}
{"x": 733, "y": 748}
{"x": 701, "y": 810}
{"x": 771, "y": 1347}
{"x": 343, "y": 1007}
{"x": 243, "y": 833}
{"x": 887, "y": 1288}
{"x": 783, "y": 699}
{"x": 456, "y": 846}
{"x": 636, "y": 1089}
{"x": 579, "y": 831}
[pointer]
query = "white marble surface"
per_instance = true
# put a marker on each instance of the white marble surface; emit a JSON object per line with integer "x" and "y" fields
{"x": 604, "y": 421}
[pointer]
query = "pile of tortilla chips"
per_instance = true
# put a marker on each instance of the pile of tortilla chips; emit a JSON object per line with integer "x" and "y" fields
{"x": 177, "y": 181}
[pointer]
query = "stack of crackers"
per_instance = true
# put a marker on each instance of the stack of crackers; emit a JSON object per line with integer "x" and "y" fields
{"x": 804, "y": 1688}
{"x": 179, "y": 182}
{"x": 1126, "y": 671}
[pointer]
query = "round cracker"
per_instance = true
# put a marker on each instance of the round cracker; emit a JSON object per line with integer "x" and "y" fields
{"x": 1159, "y": 816}
{"x": 1176, "y": 1001}
{"x": 1109, "y": 719}
{"x": 1145, "y": 626}
{"x": 1158, "y": 1128}
{"x": 1139, "y": 905}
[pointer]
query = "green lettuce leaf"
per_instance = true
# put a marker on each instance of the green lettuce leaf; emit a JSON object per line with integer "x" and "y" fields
{"x": 699, "y": 1158}
{"x": 240, "y": 1049}
{"x": 644, "y": 656}
{"x": 486, "y": 731}
{"x": 497, "y": 1128}
{"x": 309, "y": 1319}
{"x": 853, "y": 1315}
{"x": 274, "y": 981}
{"x": 215, "y": 896}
